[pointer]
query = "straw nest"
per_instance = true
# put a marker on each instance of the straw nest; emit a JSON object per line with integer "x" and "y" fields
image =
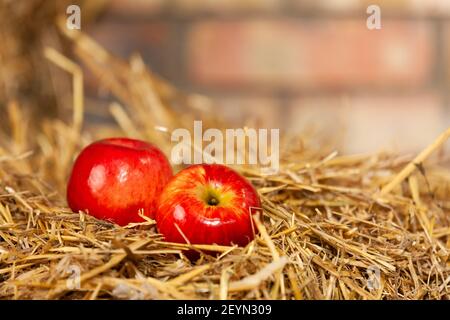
{"x": 330, "y": 224}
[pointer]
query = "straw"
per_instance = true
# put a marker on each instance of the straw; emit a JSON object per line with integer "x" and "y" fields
{"x": 328, "y": 222}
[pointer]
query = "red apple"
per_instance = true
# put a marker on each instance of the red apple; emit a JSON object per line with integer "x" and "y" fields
{"x": 113, "y": 179}
{"x": 209, "y": 204}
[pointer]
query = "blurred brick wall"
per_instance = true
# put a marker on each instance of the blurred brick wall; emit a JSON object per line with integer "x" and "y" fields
{"x": 298, "y": 64}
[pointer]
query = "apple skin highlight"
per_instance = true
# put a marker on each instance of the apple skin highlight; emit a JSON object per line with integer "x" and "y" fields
{"x": 115, "y": 178}
{"x": 209, "y": 204}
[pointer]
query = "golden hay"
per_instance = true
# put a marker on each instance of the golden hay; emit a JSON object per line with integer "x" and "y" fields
{"x": 327, "y": 220}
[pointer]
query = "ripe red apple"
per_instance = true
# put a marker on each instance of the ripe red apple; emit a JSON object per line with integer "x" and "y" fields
{"x": 209, "y": 204}
{"x": 113, "y": 179}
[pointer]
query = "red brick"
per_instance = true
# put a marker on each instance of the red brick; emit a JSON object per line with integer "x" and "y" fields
{"x": 446, "y": 45}
{"x": 347, "y": 6}
{"x": 135, "y": 7}
{"x": 254, "y": 111}
{"x": 150, "y": 39}
{"x": 225, "y": 6}
{"x": 367, "y": 123}
{"x": 430, "y": 7}
{"x": 414, "y": 8}
{"x": 310, "y": 54}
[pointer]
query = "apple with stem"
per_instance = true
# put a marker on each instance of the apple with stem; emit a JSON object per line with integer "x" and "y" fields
{"x": 207, "y": 204}
{"x": 116, "y": 178}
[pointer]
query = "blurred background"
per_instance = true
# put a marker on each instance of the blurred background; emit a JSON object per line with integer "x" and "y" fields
{"x": 298, "y": 65}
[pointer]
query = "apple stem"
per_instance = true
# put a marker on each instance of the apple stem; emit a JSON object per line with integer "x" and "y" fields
{"x": 213, "y": 201}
